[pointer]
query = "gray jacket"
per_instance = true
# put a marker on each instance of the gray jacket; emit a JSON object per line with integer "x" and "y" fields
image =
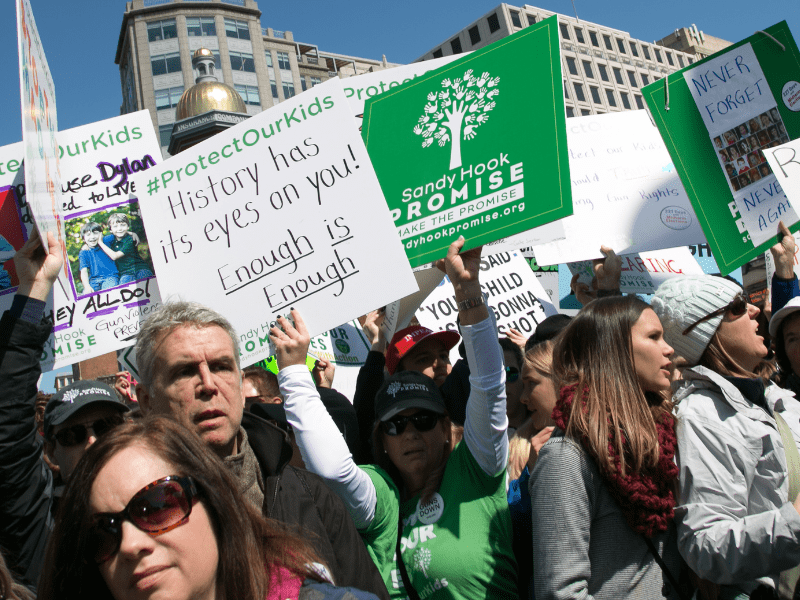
{"x": 735, "y": 523}
{"x": 583, "y": 548}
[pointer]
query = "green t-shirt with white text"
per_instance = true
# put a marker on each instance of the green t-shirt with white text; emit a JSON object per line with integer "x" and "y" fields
{"x": 461, "y": 552}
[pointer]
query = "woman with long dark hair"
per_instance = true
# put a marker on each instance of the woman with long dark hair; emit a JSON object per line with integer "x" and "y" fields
{"x": 603, "y": 486}
{"x": 151, "y": 512}
{"x": 737, "y": 524}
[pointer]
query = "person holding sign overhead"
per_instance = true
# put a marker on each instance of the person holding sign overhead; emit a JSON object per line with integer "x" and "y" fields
{"x": 440, "y": 509}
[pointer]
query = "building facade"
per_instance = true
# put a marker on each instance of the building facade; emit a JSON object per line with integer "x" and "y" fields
{"x": 264, "y": 65}
{"x": 692, "y": 41}
{"x": 604, "y": 68}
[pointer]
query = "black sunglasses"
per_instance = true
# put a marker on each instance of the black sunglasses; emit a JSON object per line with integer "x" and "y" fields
{"x": 737, "y": 307}
{"x": 77, "y": 434}
{"x": 423, "y": 420}
{"x": 157, "y": 508}
{"x": 512, "y": 374}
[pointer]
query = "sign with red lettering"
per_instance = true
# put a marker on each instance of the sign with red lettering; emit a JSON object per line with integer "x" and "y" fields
{"x": 642, "y": 273}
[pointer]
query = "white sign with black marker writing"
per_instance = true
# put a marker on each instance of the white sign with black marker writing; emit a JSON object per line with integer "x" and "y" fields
{"x": 281, "y": 211}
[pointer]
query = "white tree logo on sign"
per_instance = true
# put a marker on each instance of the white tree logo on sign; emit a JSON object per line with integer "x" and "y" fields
{"x": 457, "y": 111}
{"x": 422, "y": 560}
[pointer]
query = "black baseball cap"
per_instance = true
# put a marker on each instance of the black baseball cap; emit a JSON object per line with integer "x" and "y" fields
{"x": 407, "y": 389}
{"x": 70, "y": 399}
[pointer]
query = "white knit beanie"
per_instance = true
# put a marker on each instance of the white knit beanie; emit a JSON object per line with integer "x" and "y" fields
{"x": 681, "y": 301}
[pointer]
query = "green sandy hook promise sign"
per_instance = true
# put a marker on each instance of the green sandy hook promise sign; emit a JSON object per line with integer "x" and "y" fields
{"x": 475, "y": 148}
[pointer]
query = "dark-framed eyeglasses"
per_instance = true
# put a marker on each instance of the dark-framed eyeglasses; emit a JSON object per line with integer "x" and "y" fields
{"x": 737, "y": 307}
{"x": 157, "y": 508}
{"x": 77, "y": 434}
{"x": 423, "y": 421}
{"x": 512, "y": 374}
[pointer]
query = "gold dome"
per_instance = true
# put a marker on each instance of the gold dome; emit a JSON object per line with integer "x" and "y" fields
{"x": 202, "y": 52}
{"x": 206, "y": 96}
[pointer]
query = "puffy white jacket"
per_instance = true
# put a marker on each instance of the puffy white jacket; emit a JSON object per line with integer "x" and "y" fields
{"x": 736, "y": 525}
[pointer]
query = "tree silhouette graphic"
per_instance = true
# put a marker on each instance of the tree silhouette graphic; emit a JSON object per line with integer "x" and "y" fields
{"x": 422, "y": 560}
{"x": 457, "y": 111}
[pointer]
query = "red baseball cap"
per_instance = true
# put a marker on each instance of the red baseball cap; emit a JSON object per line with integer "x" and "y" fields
{"x": 406, "y": 339}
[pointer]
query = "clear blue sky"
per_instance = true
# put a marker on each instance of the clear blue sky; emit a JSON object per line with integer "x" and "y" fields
{"x": 80, "y": 36}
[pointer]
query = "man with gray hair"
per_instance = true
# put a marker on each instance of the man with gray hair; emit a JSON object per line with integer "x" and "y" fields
{"x": 188, "y": 358}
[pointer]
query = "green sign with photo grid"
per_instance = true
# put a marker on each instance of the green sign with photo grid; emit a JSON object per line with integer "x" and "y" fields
{"x": 475, "y": 148}
{"x": 696, "y": 154}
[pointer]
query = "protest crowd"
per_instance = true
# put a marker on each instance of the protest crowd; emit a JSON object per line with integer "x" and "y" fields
{"x": 632, "y": 451}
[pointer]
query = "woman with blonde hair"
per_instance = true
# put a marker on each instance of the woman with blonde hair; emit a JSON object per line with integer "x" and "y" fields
{"x": 602, "y": 489}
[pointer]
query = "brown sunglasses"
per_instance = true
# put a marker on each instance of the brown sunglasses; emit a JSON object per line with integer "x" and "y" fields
{"x": 737, "y": 307}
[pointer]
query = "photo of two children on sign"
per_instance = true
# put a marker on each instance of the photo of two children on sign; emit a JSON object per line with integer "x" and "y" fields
{"x": 108, "y": 249}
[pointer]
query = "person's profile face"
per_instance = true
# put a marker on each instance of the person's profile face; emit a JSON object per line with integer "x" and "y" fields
{"x": 429, "y": 357}
{"x": 196, "y": 381}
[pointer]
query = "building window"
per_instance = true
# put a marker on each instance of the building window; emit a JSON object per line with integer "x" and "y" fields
{"x": 162, "y": 30}
{"x": 587, "y": 68}
{"x": 595, "y": 94}
{"x": 315, "y": 81}
{"x": 438, "y": 53}
{"x": 579, "y": 92}
{"x": 268, "y": 56}
{"x": 621, "y": 46}
{"x": 166, "y": 63}
{"x": 645, "y": 79}
{"x": 566, "y": 90}
{"x": 607, "y": 41}
{"x": 572, "y": 67}
{"x": 241, "y": 61}
{"x": 585, "y": 112}
{"x": 680, "y": 60}
{"x": 639, "y": 101}
{"x": 455, "y": 44}
{"x": 603, "y": 72}
{"x": 618, "y": 75}
{"x": 646, "y": 51}
{"x": 658, "y": 55}
{"x": 494, "y": 22}
{"x": 632, "y": 79}
{"x": 168, "y": 98}
{"x": 303, "y": 83}
{"x": 199, "y": 26}
{"x": 237, "y": 29}
{"x": 570, "y": 112}
{"x": 249, "y": 94}
{"x": 669, "y": 59}
{"x": 474, "y": 35}
{"x": 611, "y": 100}
{"x": 515, "y": 20}
{"x": 164, "y": 133}
{"x": 634, "y": 51}
{"x": 690, "y": 59}
{"x": 593, "y": 37}
{"x": 283, "y": 61}
{"x": 531, "y": 19}
{"x": 579, "y": 35}
{"x": 626, "y": 104}
{"x": 564, "y": 30}
{"x": 288, "y": 90}
{"x": 274, "y": 87}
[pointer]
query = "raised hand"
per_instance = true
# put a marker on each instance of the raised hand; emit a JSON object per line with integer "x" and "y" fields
{"x": 38, "y": 267}
{"x": 291, "y": 341}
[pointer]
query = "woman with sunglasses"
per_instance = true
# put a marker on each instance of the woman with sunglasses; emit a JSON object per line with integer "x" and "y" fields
{"x": 441, "y": 510}
{"x": 737, "y": 525}
{"x": 151, "y": 512}
{"x": 602, "y": 488}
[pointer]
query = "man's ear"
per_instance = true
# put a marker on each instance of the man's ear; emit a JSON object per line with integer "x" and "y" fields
{"x": 143, "y": 398}
{"x": 49, "y": 457}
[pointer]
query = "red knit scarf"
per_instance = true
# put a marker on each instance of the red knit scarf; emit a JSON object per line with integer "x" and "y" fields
{"x": 646, "y": 498}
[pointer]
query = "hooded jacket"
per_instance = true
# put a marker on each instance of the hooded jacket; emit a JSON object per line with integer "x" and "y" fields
{"x": 303, "y": 501}
{"x": 736, "y": 525}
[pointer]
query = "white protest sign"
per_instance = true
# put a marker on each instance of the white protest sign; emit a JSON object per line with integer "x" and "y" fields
{"x": 400, "y": 312}
{"x": 625, "y": 191}
{"x": 546, "y": 274}
{"x": 96, "y": 162}
{"x": 784, "y": 160}
{"x": 281, "y": 211}
{"x": 342, "y": 345}
{"x": 515, "y": 295}
{"x": 643, "y": 272}
{"x": 39, "y": 127}
{"x": 743, "y": 121}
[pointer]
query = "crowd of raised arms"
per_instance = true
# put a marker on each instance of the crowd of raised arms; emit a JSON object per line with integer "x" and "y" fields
{"x": 634, "y": 450}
